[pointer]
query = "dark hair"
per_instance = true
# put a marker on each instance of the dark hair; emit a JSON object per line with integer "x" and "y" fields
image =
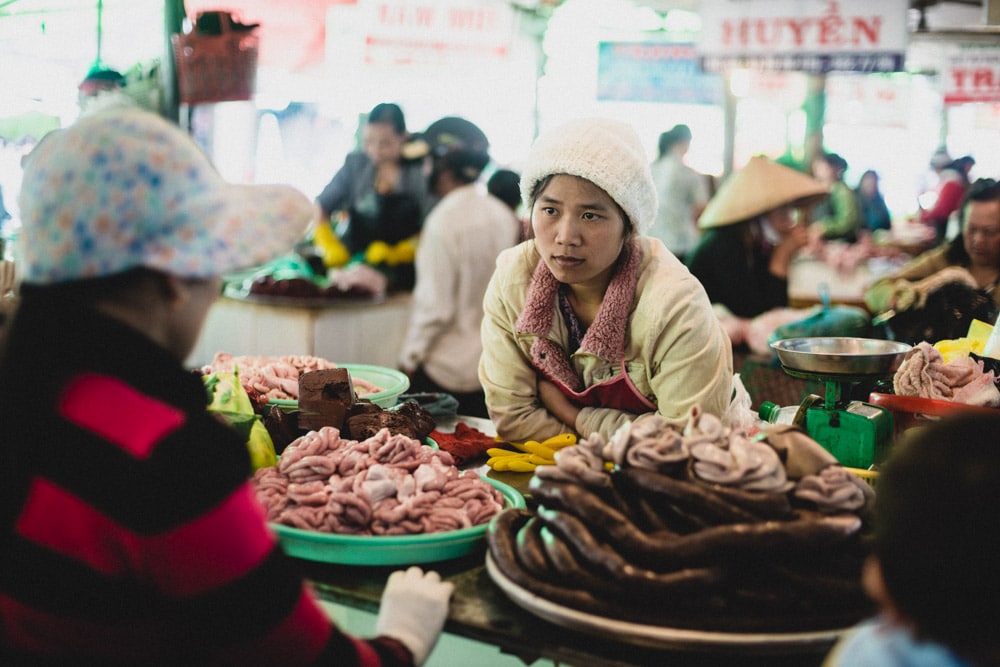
{"x": 390, "y": 114}
{"x": 838, "y": 163}
{"x": 935, "y": 519}
{"x": 505, "y": 185}
{"x": 982, "y": 190}
{"x": 674, "y": 135}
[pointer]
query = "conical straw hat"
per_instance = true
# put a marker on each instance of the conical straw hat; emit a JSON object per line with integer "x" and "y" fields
{"x": 761, "y": 186}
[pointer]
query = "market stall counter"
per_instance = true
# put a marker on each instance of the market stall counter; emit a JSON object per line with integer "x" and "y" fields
{"x": 361, "y": 331}
{"x": 483, "y": 610}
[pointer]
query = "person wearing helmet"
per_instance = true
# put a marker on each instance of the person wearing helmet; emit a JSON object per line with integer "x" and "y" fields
{"x": 591, "y": 324}
{"x": 751, "y": 234}
{"x": 462, "y": 236}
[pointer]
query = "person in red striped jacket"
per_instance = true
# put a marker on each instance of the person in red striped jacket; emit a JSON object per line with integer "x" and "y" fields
{"x": 129, "y": 532}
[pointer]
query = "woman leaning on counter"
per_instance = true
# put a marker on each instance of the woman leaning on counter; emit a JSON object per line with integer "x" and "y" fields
{"x": 972, "y": 257}
{"x": 591, "y": 324}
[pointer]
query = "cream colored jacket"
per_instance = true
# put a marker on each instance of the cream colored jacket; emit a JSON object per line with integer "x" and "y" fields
{"x": 658, "y": 319}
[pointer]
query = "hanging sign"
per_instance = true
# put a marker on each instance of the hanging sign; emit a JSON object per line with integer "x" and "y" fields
{"x": 436, "y": 31}
{"x": 804, "y": 35}
{"x": 655, "y": 72}
{"x": 972, "y": 75}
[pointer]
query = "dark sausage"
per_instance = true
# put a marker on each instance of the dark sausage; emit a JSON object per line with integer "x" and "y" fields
{"x": 690, "y": 497}
{"x": 622, "y": 572}
{"x": 530, "y": 551}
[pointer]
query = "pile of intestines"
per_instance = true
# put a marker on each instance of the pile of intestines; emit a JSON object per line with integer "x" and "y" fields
{"x": 698, "y": 528}
{"x": 384, "y": 485}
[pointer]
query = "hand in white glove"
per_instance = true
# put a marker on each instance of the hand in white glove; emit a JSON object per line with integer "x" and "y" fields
{"x": 413, "y": 609}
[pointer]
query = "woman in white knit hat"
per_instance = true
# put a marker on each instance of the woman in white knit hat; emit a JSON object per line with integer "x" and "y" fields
{"x": 592, "y": 324}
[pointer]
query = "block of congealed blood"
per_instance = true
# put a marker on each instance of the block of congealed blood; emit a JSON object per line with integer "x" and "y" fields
{"x": 325, "y": 398}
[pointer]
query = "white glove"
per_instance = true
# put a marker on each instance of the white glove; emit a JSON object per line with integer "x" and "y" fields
{"x": 413, "y": 609}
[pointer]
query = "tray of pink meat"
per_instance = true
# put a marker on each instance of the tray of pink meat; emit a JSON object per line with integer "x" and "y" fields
{"x": 386, "y": 500}
{"x": 275, "y": 379}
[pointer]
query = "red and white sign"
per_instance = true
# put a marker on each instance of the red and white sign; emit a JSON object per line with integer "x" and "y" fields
{"x": 435, "y": 31}
{"x": 973, "y": 75}
{"x": 805, "y": 35}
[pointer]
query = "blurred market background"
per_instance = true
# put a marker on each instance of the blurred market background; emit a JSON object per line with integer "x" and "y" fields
{"x": 517, "y": 66}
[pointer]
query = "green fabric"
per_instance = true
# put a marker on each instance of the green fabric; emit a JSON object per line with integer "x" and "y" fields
{"x": 844, "y": 219}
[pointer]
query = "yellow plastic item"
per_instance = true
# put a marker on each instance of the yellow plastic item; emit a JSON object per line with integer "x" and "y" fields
{"x": 403, "y": 252}
{"x": 526, "y": 456}
{"x": 377, "y": 253}
{"x": 262, "y": 454}
{"x": 331, "y": 249}
{"x": 974, "y": 341}
{"x": 869, "y": 476}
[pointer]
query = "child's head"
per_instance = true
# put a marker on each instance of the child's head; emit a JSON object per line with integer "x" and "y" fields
{"x": 125, "y": 189}
{"x": 606, "y": 152}
{"x": 935, "y": 534}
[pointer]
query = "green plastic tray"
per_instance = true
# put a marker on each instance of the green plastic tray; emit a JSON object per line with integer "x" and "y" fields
{"x": 390, "y": 549}
{"x": 393, "y": 383}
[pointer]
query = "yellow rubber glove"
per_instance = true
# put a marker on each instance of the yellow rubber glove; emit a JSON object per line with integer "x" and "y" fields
{"x": 404, "y": 252}
{"x": 331, "y": 249}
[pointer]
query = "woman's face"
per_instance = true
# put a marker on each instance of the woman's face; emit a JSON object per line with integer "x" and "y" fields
{"x": 781, "y": 220}
{"x": 981, "y": 235}
{"x": 381, "y": 143}
{"x": 869, "y": 183}
{"x": 579, "y": 231}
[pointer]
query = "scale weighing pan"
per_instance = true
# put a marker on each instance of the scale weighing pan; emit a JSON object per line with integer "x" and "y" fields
{"x": 846, "y": 356}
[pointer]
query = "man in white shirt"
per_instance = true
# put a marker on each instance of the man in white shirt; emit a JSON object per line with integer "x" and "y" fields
{"x": 682, "y": 193}
{"x": 456, "y": 254}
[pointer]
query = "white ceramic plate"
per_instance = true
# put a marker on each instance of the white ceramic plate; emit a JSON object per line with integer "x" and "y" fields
{"x": 651, "y": 635}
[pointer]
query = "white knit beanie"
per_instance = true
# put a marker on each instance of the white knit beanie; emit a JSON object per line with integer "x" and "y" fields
{"x": 607, "y": 153}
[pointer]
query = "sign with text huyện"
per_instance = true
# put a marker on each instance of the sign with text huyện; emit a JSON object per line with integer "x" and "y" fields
{"x": 655, "y": 72}
{"x": 804, "y": 35}
{"x": 972, "y": 75}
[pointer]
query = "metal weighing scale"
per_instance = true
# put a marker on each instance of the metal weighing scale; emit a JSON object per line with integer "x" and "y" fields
{"x": 858, "y": 434}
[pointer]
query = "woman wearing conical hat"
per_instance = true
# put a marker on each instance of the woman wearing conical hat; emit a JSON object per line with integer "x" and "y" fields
{"x": 751, "y": 234}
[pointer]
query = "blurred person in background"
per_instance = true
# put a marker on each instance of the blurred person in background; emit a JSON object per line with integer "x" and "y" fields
{"x": 873, "y": 209}
{"x": 681, "y": 193}
{"x": 838, "y": 217}
{"x": 751, "y": 232}
{"x": 102, "y": 88}
{"x": 505, "y": 185}
{"x": 972, "y": 259}
{"x": 461, "y": 239}
{"x": 382, "y": 192}
{"x": 953, "y": 181}
{"x": 131, "y": 533}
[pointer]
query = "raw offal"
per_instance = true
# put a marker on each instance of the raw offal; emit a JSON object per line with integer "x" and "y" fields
{"x": 277, "y": 378}
{"x": 385, "y": 485}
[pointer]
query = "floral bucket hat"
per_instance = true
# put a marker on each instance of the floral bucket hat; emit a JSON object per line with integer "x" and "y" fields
{"x": 125, "y": 188}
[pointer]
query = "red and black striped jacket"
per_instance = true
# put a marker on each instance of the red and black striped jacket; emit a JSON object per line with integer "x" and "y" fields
{"x": 128, "y": 530}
